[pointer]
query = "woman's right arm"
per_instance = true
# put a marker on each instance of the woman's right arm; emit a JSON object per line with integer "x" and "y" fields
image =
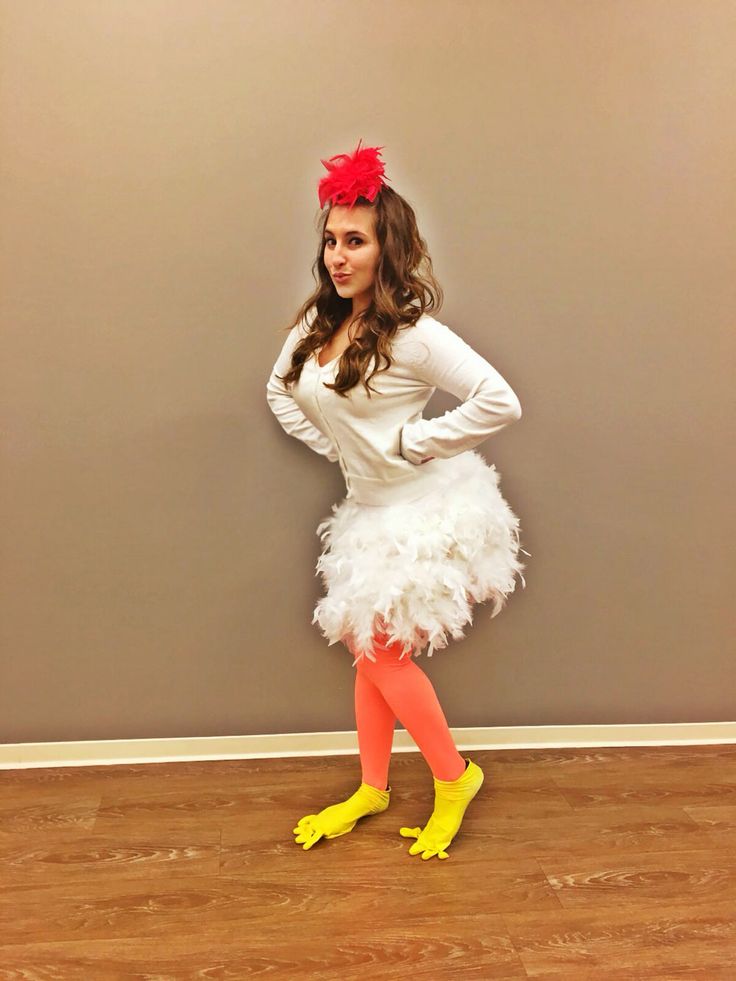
{"x": 282, "y": 404}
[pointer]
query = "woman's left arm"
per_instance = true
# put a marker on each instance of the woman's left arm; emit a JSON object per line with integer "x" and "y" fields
{"x": 442, "y": 359}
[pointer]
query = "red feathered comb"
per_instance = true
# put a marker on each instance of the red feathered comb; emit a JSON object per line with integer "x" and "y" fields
{"x": 360, "y": 174}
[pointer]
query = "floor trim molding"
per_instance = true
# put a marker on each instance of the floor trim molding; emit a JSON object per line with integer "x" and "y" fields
{"x": 95, "y": 752}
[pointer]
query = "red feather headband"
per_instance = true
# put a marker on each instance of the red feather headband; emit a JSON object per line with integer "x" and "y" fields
{"x": 360, "y": 174}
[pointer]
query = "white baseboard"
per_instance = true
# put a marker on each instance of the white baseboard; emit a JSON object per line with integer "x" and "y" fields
{"x": 95, "y": 752}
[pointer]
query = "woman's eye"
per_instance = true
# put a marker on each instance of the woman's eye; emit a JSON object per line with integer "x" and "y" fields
{"x": 353, "y": 239}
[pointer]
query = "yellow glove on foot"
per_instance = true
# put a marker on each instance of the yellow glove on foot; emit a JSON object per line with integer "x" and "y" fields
{"x": 338, "y": 819}
{"x": 451, "y": 798}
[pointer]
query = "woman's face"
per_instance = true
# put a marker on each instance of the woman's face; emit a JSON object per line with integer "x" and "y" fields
{"x": 351, "y": 248}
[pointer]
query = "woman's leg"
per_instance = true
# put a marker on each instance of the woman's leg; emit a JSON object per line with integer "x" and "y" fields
{"x": 376, "y": 723}
{"x": 410, "y": 695}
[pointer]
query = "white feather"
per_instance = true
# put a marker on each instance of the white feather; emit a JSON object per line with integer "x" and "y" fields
{"x": 415, "y": 570}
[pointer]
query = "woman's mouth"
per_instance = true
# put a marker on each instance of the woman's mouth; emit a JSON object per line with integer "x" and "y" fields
{"x": 341, "y": 277}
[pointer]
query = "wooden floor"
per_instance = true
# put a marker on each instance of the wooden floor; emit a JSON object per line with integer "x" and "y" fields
{"x": 570, "y": 864}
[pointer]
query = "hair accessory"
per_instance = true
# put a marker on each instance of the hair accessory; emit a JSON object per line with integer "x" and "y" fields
{"x": 360, "y": 174}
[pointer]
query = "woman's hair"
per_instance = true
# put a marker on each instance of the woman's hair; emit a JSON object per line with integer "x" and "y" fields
{"x": 403, "y": 289}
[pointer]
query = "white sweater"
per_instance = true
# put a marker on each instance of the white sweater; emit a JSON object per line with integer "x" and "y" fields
{"x": 380, "y": 441}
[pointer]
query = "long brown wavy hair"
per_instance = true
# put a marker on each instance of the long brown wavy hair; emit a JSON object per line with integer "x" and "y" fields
{"x": 404, "y": 288}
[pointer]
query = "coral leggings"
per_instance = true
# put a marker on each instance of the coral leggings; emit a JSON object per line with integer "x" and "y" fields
{"x": 392, "y": 688}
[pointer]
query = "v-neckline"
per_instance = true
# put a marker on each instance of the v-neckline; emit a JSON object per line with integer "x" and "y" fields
{"x": 322, "y": 367}
{"x": 328, "y": 363}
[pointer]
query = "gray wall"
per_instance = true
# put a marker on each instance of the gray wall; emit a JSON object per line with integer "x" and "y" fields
{"x": 571, "y": 165}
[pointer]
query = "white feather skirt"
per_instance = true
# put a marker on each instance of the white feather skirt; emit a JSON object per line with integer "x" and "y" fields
{"x": 411, "y": 573}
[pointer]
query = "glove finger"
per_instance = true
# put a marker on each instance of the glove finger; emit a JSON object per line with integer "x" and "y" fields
{"x": 313, "y": 839}
{"x": 305, "y": 831}
{"x": 305, "y": 820}
{"x": 417, "y": 847}
{"x": 410, "y": 832}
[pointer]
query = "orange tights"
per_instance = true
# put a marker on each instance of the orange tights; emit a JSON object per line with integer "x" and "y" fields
{"x": 389, "y": 689}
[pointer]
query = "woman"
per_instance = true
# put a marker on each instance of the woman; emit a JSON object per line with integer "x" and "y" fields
{"x": 423, "y": 532}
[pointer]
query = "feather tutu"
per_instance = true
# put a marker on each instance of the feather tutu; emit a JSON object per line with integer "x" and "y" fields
{"x": 411, "y": 572}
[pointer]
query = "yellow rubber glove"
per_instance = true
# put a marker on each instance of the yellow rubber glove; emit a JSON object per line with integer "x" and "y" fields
{"x": 338, "y": 819}
{"x": 451, "y": 798}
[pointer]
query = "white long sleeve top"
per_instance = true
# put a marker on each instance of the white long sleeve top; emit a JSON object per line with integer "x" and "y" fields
{"x": 381, "y": 441}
